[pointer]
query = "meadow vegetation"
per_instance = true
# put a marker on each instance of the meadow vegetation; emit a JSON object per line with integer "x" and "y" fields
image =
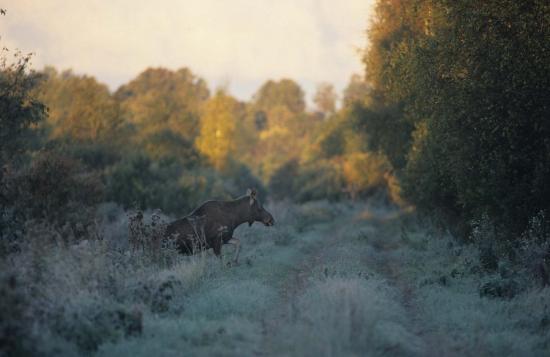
{"x": 412, "y": 219}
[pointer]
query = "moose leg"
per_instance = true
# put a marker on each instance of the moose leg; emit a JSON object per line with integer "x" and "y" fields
{"x": 217, "y": 246}
{"x": 237, "y": 243}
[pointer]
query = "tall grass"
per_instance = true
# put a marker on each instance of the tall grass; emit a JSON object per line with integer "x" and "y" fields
{"x": 93, "y": 291}
{"x": 460, "y": 306}
{"x": 328, "y": 279}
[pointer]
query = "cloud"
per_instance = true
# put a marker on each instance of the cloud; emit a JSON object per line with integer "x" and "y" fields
{"x": 243, "y": 42}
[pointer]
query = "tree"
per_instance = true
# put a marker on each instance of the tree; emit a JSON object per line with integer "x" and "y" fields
{"x": 161, "y": 99}
{"x": 80, "y": 108}
{"x": 486, "y": 111}
{"x": 19, "y": 109}
{"x": 397, "y": 27}
{"x": 218, "y": 129}
{"x": 472, "y": 112}
{"x": 285, "y": 93}
{"x": 325, "y": 98}
{"x": 277, "y": 114}
{"x": 356, "y": 92}
{"x": 364, "y": 173}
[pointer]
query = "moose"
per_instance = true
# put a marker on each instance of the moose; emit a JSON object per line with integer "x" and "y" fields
{"x": 212, "y": 224}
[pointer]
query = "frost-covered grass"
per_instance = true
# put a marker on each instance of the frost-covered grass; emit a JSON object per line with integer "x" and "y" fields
{"x": 327, "y": 280}
{"x": 350, "y": 316}
{"x": 84, "y": 294}
{"x": 344, "y": 308}
{"x": 226, "y": 314}
{"x": 460, "y": 308}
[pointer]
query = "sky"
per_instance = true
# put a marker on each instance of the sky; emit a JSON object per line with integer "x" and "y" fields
{"x": 237, "y": 44}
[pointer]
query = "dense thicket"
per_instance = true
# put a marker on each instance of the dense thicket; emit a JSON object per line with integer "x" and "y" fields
{"x": 460, "y": 103}
{"x": 18, "y": 108}
{"x": 18, "y": 111}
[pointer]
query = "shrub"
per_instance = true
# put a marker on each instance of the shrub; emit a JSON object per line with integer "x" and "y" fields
{"x": 364, "y": 173}
{"x": 53, "y": 189}
{"x": 16, "y": 335}
{"x": 88, "y": 326}
{"x": 321, "y": 180}
{"x": 139, "y": 181}
{"x": 239, "y": 178}
{"x": 283, "y": 181}
{"x": 18, "y": 107}
{"x": 95, "y": 156}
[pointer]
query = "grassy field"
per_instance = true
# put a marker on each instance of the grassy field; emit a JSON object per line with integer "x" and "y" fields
{"x": 327, "y": 280}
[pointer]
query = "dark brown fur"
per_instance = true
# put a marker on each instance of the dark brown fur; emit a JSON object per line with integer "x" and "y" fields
{"x": 213, "y": 223}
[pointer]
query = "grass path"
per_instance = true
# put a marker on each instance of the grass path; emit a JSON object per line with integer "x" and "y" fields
{"x": 307, "y": 293}
{"x": 390, "y": 266}
{"x": 343, "y": 283}
{"x": 283, "y": 313}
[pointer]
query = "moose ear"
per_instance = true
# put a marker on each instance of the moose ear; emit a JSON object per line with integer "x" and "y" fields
{"x": 252, "y": 193}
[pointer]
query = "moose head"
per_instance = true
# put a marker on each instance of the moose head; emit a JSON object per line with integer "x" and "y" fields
{"x": 257, "y": 211}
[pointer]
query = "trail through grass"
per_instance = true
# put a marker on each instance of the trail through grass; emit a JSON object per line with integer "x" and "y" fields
{"x": 300, "y": 289}
{"x": 335, "y": 280}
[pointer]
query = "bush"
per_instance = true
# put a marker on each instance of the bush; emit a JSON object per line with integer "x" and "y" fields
{"x": 95, "y": 156}
{"x": 80, "y": 296}
{"x": 18, "y": 107}
{"x": 55, "y": 190}
{"x": 238, "y": 178}
{"x": 283, "y": 181}
{"x": 137, "y": 181}
{"x": 16, "y": 335}
{"x": 140, "y": 182}
{"x": 364, "y": 173}
{"x": 90, "y": 326}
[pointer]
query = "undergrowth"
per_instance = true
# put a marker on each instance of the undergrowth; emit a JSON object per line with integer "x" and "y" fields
{"x": 328, "y": 279}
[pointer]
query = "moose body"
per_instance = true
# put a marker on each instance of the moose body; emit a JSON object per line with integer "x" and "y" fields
{"x": 212, "y": 224}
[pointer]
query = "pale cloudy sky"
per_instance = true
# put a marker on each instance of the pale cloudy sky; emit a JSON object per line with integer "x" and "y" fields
{"x": 240, "y": 43}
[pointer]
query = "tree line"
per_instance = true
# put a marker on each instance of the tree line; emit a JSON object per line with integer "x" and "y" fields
{"x": 450, "y": 116}
{"x": 460, "y": 105}
{"x": 166, "y": 140}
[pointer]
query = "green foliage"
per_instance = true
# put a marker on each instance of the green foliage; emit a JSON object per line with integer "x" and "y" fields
{"x": 302, "y": 183}
{"x": 138, "y": 181}
{"x": 239, "y": 178}
{"x": 95, "y": 156}
{"x": 19, "y": 109}
{"x": 325, "y": 98}
{"x": 285, "y": 93}
{"x": 53, "y": 193}
{"x": 206, "y": 183}
{"x": 159, "y": 98}
{"x": 466, "y": 112}
{"x": 282, "y": 183}
{"x": 79, "y": 108}
{"x": 386, "y": 130}
{"x": 57, "y": 190}
{"x": 168, "y": 145}
{"x": 219, "y": 129}
{"x": 282, "y": 128}
{"x": 364, "y": 173}
{"x": 356, "y": 92}
{"x": 332, "y": 138}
